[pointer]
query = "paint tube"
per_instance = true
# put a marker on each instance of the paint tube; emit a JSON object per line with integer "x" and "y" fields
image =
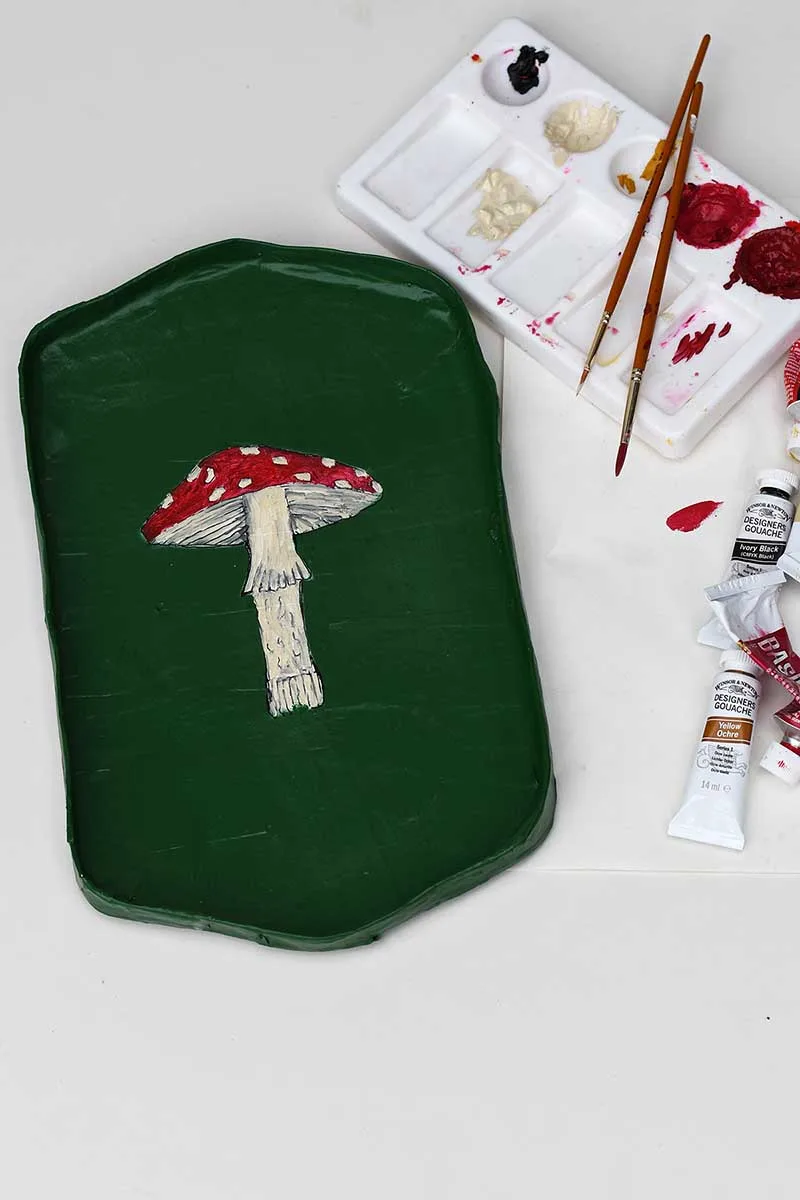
{"x": 791, "y": 382}
{"x": 764, "y": 528}
{"x": 782, "y": 758}
{"x": 789, "y": 561}
{"x": 713, "y": 804}
{"x": 747, "y": 608}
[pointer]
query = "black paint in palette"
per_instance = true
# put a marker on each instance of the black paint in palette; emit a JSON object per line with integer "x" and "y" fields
{"x": 524, "y": 71}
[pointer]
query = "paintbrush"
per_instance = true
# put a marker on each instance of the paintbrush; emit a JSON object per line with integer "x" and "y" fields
{"x": 643, "y": 216}
{"x": 653, "y": 301}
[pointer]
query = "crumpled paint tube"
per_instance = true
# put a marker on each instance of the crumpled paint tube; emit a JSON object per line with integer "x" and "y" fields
{"x": 747, "y": 609}
{"x": 761, "y": 538}
{"x": 782, "y": 758}
{"x": 789, "y": 561}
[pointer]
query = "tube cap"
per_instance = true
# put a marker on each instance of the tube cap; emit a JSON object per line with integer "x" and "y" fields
{"x": 738, "y": 660}
{"x": 783, "y": 762}
{"x": 785, "y": 481}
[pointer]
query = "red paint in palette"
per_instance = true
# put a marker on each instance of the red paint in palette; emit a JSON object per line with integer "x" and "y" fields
{"x": 549, "y": 320}
{"x": 769, "y": 261}
{"x": 714, "y": 214}
{"x": 686, "y": 520}
{"x": 693, "y": 343}
{"x": 476, "y": 58}
{"x": 726, "y": 328}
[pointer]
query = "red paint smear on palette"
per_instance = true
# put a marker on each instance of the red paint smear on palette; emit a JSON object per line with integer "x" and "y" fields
{"x": 476, "y": 58}
{"x": 715, "y": 214}
{"x": 769, "y": 261}
{"x": 683, "y": 325}
{"x": 686, "y": 520}
{"x": 726, "y": 328}
{"x": 693, "y": 343}
{"x": 474, "y": 270}
{"x": 549, "y": 320}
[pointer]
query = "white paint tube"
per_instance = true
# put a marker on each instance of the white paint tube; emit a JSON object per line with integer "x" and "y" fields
{"x": 747, "y": 609}
{"x": 764, "y": 528}
{"x": 713, "y": 804}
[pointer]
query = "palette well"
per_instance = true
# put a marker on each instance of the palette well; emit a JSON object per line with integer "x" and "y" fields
{"x": 543, "y": 286}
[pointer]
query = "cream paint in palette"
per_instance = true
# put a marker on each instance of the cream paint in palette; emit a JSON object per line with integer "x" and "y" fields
{"x": 543, "y": 287}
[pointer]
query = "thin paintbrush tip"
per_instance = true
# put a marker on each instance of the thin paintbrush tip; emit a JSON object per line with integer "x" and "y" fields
{"x": 584, "y": 377}
{"x": 621, "y": 453}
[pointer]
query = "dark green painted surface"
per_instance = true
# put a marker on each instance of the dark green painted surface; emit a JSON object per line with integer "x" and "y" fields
{"x": 428, "y": 767}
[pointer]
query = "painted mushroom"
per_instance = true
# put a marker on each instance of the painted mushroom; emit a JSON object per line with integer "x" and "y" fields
{"x": 263, "y": 497}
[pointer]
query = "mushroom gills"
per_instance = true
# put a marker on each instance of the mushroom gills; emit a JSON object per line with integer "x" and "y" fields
{"x": 276, "y": 572}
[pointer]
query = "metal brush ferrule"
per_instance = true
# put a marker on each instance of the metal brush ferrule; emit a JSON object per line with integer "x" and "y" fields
{"x": 597, "y": 339}
{"x": 630, "y": 404}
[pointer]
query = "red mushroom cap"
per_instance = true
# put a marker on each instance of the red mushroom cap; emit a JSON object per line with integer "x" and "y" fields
{"x": 207, "y": 509}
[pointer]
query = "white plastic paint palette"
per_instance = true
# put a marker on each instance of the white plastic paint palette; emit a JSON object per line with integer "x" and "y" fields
{"x": 544, "y": 286}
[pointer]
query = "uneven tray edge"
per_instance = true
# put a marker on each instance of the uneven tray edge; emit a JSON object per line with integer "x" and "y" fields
{"x": 524, "y": 842}
{"x": 448, "y": 889}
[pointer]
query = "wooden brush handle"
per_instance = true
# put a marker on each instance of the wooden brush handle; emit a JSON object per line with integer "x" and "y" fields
{"x": 653, "y": 301}
{"x": 651, "y": 195}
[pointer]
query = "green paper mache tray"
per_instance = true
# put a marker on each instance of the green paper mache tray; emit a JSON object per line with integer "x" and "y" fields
{"x": 297, "y": 695}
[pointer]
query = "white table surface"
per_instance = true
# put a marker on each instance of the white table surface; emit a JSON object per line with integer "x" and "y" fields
{"x": 558, "y": 1032}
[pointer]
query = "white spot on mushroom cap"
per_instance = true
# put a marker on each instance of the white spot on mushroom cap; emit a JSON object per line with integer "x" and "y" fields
{"x": 165, "y": 503}
{"x": 210, "y": 474}
{"x": 217, "y": 494}
{"x": 376, "y": 487}
{"x": 341, "y": 483}
{"x": 361, "y": 473}
{"x": 245, "y": 482}
{"x": 279, "y": 460}
{"x": 249, "y": 450}
{"x": 329, "y": 462}
{"x": 303, "y": 476}
{"x": 193, "y": 474}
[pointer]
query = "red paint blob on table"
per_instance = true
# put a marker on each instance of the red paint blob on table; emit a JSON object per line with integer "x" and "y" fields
{"x": 769, "y": 261}
{"x": 693, "y": 343}
{"x": 476, "y": 58}
{"x": 726, "y": 328}
{"x": 686, "y": 520}
{"x": 714, "y": 214}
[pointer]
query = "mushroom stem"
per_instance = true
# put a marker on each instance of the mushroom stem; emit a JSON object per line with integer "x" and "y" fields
{"x": 276, "y": 571}
{"x": 292, "y": 679}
